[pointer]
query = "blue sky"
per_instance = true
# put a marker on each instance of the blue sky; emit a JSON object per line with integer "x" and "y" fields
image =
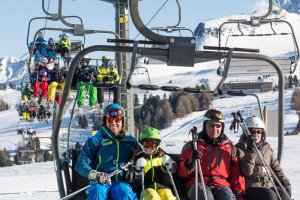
{"x": 99, "y": 15}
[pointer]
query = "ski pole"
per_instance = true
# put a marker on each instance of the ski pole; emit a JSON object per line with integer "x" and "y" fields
{"x": 173, "y": 183}
{"x": 124, "y": 167}
{"x": 198, "y": 169}
{"x": 143, "y": 183}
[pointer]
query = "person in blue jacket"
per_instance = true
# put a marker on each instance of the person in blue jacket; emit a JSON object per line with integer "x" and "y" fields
{"x": 108, "y": 150}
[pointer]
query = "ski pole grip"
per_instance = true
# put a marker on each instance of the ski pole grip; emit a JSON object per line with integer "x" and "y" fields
{"x": 240, "y": 116}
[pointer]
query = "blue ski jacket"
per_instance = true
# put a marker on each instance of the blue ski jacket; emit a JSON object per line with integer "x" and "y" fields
{"x": 104, "y": 152}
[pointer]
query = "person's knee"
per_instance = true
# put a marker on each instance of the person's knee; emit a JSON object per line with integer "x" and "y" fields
{"x": 192, "y": 192}
{"x": 122, "y": 189}
{"x": 166, "y": 194}
{"x": 97, "y": 191}
{"x": 150, "y": 193}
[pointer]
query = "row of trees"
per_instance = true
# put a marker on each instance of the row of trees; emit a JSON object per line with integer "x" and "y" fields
{"x": 12, "y": 85}
{"x": 292, "y": 80}
{"x": 160, "y": 113}
{"x": 3, "y": 105}
{"x": 4, "y": 158}
{"x": 295, "y": 105}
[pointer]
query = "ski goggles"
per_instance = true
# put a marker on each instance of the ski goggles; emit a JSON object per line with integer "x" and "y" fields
{"x": 212, "y": 125}
{"x": 114, "y": 112}
{"x": 111, "y": 119}
{"x": 150, "y": 144}
{"x": 255, "y": 130}
{"x": 214, "y": 114}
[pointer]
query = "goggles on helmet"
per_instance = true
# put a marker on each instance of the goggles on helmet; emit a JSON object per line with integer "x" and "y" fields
{"x": 110, "y": 120}
{"x": 114, "y": 113}
{"x": 214, "y": 115}
{"x": 150, "y": 144}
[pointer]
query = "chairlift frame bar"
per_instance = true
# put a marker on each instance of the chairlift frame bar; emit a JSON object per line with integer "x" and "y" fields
{"x": 264, "y": 21}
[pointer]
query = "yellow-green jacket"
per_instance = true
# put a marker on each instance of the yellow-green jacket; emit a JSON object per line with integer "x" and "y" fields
{"x": 65, "y": 42}
{"x": 108, "y": 75}
{"x": 156, "y": 177}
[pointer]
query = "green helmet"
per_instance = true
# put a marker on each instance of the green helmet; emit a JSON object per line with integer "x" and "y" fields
{"x": 150, "y": 134}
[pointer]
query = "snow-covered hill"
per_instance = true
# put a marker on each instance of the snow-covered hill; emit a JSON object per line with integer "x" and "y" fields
{"x": 280, "y": 43}
{"x": 12, "y": 69}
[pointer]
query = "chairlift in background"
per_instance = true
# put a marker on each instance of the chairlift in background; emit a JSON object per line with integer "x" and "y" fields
{"x": 288, "y": 63}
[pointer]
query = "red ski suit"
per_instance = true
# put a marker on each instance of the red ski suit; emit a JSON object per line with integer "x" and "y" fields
{"x": 219, "y": 165}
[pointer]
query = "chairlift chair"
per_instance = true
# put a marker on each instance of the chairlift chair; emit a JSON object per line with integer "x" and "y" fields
{"x": 288, "y": 64}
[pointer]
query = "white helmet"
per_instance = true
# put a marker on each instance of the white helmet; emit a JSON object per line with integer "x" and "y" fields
{"x": 254, "y": 122}
{"x": 30, "y": 130}
{"x": 59, "y": 62}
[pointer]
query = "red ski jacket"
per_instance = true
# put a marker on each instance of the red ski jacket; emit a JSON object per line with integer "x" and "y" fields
{"x": 219, "y": 165}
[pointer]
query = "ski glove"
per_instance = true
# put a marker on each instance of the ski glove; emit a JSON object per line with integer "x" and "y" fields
{"x": 197, "y": 155}
{"x": 113, "y": 74}
{"x": 107, "y": 79}
{"x": 239, "y": 195}
{"x": 287, "y": 186}
{"x": 250, "y": 143}
{"x": 168, "y": 163}
{"x": 140, "y": 164}
{"x": 101, "y": 177}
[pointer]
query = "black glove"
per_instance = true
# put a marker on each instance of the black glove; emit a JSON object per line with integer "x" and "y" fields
{"x": 130, "y": 174}
{"x": 107, "y": 79}
{"x": 113, "y": 74}
{"x": 287, "y": 186}
{"x": 197, "y": 155}
{"x": 250, "y": 143}
{"x": 288, "y": 189}
{"x": 239, "y": 195}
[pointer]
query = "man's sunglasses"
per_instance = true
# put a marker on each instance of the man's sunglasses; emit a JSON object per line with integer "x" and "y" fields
{"x": 253, "y": 131}
{"x": 212, "y": 125}
{"x": 110, "y": 120}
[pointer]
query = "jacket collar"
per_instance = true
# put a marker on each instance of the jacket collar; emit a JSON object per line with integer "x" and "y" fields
{"x": 104, "y": 130}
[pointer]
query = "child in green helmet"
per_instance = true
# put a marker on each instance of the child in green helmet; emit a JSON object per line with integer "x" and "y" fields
{"x": 152, "y": 164}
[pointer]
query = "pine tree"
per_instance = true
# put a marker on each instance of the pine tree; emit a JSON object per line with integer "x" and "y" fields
{"x": 295, "y": 80}
{"x": 180, "y": 109}
{"x": 295, "y": 105}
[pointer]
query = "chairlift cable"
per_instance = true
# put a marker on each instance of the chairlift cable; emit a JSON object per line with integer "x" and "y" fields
{"x": 153, "y": 17}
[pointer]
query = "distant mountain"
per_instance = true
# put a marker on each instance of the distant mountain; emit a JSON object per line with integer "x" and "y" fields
{"x": 12, "y": 69}
{"x": 292, "y": 6}
{"x": 279, "y": 42}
